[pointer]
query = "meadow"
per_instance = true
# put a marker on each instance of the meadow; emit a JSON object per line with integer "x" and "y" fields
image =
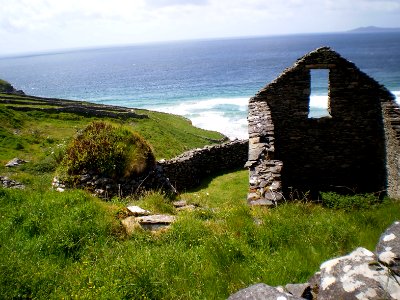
{"x": 72, "y": 245}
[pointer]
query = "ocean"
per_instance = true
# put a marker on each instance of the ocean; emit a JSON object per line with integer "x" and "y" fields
{"x": 207, "y": 81}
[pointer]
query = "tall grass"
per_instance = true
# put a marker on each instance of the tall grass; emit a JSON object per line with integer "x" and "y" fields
{"x": 71, "y": 245}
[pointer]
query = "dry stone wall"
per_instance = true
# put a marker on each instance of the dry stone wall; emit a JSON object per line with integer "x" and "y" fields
{"x": 187, "y": 170}
{"x": 172, "y": 176}
{"x": 391, "y": 113}
{"x": 343, "y": 151}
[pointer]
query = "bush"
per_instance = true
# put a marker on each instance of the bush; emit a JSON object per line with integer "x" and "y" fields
{"x": 106, "y": 150}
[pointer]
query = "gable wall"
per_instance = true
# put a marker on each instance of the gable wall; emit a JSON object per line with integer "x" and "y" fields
{"x": 344, "y": 151}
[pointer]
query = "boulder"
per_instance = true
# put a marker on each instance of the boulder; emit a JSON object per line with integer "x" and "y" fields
{"x": 357, "y": 276}
{"x": 261, "y": 291}
{"x": 388, "y": 248}
{"x": 301, "y": 290}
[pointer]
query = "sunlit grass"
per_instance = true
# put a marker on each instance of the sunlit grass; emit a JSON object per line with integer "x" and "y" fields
{"x": 71, "y": 245}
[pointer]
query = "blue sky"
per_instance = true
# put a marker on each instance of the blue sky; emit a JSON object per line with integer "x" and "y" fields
{"x": 40, "y": 25}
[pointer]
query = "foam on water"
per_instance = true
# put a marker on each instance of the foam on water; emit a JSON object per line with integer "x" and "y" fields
{"x": 229, "y": 115}
{"x": 397, "y": 94}
{"x": 225, "y": 115}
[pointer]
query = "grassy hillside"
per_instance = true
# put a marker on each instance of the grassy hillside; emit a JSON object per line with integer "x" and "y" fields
{"x": 72, "y": 245}
{"x": 38, "y": 129}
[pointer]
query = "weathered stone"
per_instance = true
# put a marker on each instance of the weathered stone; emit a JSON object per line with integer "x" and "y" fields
{"x": 134, "y": 210}
{"x": 130, "y": 224}
{"x": 189, "y": 207}
{"x": 301, "y": 290}
{"x": 180, "y": 203}
{"x": 261, "y": 291}
{"x": 357, "y": 276}
{"x": 273, "y": 196}
{"x": 15, "y": 162}
{"x": 276, "y": 185}
{"x": 155, "y": 222}
{"x": 252, "y": 196}
{"x": 84, "y": 178}
{"x": 357, "y": 145}
{"x": 388, "y": 248}
{"x": 9, "y": 183}
{"x": 261, "y": 202}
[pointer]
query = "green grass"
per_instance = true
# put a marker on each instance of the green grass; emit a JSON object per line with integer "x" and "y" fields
{"x": 41, "y": 138}
{"x": 31, "y": 129}
{"x": 71, "y": 245}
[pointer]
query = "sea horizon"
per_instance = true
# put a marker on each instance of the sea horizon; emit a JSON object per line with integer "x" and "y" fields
{"x": 207, "y": 81}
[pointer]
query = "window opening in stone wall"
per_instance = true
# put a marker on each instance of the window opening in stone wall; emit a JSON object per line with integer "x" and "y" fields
{"x": 319, "y": 95}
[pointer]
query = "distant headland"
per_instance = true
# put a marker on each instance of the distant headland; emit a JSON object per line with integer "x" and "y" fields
{"x": 373, "y": 29}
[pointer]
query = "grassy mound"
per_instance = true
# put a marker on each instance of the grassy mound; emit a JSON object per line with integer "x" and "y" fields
{"x": 107, "y": 150}
{"x": 5, "y": 87}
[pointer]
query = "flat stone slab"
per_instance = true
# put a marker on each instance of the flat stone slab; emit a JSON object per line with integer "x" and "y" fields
{"x": 156, "y": 219}
{"x": 137, "y": 211}
{"x": 180, "y": 203}
{"x": 189, "y": 207}
{"x": 261, "y": 202}
{"x": 15, "y": 162}
{"x": 155, "y": 222}
{"x": 151, "y": 222}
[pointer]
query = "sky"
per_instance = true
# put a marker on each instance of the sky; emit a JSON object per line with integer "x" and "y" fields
{"x": 28, "y": 26}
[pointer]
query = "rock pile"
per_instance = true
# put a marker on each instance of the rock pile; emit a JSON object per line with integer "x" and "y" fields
{"x": 361, "y": 275}
{"x": 9, "y": 183}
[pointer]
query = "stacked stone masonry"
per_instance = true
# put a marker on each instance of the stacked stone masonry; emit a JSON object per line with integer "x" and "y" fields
{"x": 187, "y": 170}
{"x": 355, "y": 148}
{"x": 178, "y": 174}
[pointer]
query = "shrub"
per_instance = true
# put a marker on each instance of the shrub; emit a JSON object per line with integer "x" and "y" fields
{"x": 106, "y": 150}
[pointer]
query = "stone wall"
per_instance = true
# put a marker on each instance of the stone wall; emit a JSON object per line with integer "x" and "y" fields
{"x": 288, "y": 151}
{"x": 391, "y": 112}
{"x": 187, "y": 170}
{"x": 172, "y": 176}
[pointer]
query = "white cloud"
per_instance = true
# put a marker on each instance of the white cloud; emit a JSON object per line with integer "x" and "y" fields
{"x": 74, "y": 23}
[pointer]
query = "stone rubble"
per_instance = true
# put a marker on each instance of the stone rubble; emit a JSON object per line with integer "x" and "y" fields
{"x": 9, "y": 183}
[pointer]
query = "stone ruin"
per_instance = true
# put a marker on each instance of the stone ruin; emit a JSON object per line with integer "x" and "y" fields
{"x": 356, "y": 147}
